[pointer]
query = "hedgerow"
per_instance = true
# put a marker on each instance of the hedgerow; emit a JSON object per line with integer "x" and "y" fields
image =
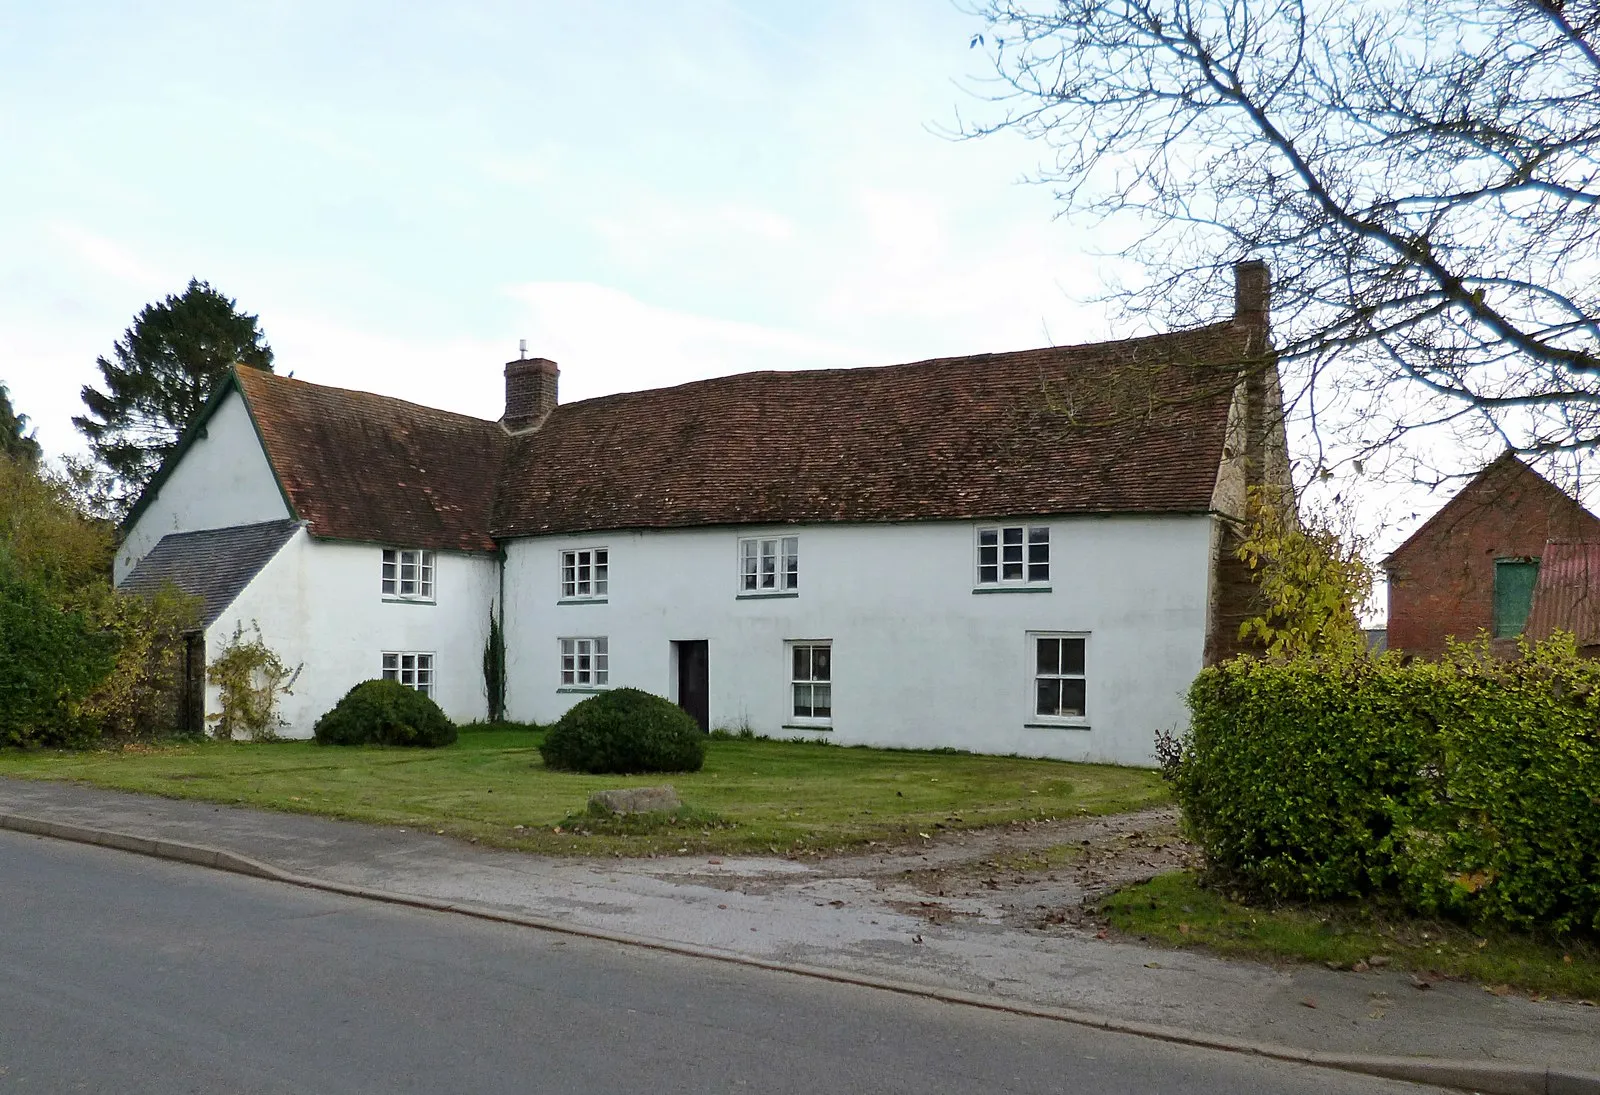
{"x": 50, "y": 662}
{"x": 1468, "y": 786}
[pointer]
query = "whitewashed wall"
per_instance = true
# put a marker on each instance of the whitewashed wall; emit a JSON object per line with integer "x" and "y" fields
{"x": 319, "y": 604}
{"x": 919, "y": 660}
{"x": 223, "y": 480}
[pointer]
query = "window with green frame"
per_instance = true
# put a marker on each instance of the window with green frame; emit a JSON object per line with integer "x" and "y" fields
{"x": 1514, "y": 580}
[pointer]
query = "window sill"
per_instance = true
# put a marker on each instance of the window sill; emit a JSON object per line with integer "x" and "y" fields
{"x": 806, "y": 726}
{"x": 766, "y": 596}
{"x": 1011, "y": 589}
{"x": 582, "y": 601}
{"x": 583, "y": 688}
{"x": 1063, "y": 725}
{"x": 392, "y": 600}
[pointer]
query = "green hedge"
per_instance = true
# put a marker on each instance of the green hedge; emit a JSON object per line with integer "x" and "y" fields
{"x": 50, "y": 662}
{"x": 1467, "y": 787}
{"x": 385, "y": 713}
{"x": 625, "y": 730}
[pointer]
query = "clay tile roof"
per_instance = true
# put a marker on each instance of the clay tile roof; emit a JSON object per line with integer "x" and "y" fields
{"x": 359, "y": 466}
{"x": 214, "y": 564}
{"x": 1567, "y": 594}
{"x": 1118, "y": 427}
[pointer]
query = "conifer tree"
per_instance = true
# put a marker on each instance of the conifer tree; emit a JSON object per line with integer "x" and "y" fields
{"x": 162, "y": 372}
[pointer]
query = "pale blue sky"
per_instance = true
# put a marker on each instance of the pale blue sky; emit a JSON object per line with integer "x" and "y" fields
{"x": 647, "y": 193}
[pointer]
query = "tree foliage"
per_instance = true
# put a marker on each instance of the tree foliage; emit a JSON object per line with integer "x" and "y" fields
{"x": 59, "y": 563}
{"x": 1313, "y": 581}
{"x": 15, "y": 440}
{"x": 1422, "y": 175}
{"x": 51, "y": 660}
{"x": 494, "y": 669}
{"x": 48, "y": 538}
{"x": 162, "y": 371}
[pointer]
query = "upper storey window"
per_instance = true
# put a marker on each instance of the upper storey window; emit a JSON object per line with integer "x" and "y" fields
{"x": 407, "y": 575}
{"x": 769, "y": 565}
{"x": 585, "y": 574}
{"x": 1014, "y": 555}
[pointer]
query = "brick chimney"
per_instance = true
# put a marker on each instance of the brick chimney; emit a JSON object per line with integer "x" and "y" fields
{"x": 530, "y": 392}
{"x": 1252, "y": 293}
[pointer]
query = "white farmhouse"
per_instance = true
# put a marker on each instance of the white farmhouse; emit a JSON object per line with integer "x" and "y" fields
{"x": 1007, "y": 553}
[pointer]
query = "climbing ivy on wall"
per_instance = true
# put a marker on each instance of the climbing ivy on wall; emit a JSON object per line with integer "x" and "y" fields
{"x": 252, "y": 679}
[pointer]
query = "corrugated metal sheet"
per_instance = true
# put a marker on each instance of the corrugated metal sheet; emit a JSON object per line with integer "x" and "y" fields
{"x": 1567, "y": 595}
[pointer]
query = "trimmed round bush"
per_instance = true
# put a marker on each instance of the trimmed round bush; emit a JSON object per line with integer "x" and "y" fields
{"x": 385, "y": 713}
{"x": 625, "y": 730}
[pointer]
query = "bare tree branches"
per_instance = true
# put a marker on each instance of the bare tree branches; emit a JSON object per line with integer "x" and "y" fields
{"x": 1424, "y": 177}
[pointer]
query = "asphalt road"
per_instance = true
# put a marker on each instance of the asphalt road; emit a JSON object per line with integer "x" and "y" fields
{"x": 131, "y": 975}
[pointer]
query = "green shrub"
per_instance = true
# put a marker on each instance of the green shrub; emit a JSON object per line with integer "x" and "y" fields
{"x": 1466, "y": 787}
{"x": 50, "y": 662}
{"x": 625, "y": 730}
{"x": 385, "y": 713}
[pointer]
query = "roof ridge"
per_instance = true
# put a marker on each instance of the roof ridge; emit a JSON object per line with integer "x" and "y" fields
{"x": 986, "y": 358}
{"x": 275, "y": 522}
{"x": 270, "y": 378}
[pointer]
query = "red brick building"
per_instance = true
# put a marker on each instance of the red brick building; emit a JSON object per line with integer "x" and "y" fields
{"x": 1474, "y": 566}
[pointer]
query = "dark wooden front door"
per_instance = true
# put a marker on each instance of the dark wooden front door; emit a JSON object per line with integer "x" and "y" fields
{"x": 192, "y": 685}
{"x": 694, "y": 680}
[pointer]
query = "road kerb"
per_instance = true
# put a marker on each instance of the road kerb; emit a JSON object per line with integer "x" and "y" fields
{"x": 1486, "y": 1076}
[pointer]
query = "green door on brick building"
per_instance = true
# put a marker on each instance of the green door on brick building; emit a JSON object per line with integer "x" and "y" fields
{"x": 1514, "y": 580}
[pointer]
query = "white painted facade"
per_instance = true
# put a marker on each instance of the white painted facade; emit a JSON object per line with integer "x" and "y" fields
{"x": 223, "y": 480}
{"x": 922, "y": 656}
{"x": 319, "y": 604}
{"x": 919, "y": 659}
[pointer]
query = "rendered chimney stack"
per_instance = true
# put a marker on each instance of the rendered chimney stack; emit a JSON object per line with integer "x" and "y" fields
{"x": 1252, "y": 293}
{"x": 530, "y": 392}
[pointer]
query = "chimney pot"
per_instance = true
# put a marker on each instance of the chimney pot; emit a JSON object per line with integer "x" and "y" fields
{"x": 530, "y": 392}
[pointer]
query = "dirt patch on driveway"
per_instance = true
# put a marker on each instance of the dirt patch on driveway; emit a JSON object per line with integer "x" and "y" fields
{"x": 1032, "y": 874}
{"x": 1040, "y": 875}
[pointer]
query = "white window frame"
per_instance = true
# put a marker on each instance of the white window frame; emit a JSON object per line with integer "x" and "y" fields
{"x": 408, "y": 574}
{"x": 1062, "y": 672}
{"x": 412, "y": 668}
{"x": 585, "y": 574}
{"x": 991, "y": 561}
{"x": 768, "y": 566}
{"x": 810, "y": 681}
{"x": 583, "y": 661}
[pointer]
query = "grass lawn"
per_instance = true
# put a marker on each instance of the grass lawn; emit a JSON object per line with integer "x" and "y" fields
{"x": 752, "y": 796}
{"x": 1175, "y": 910}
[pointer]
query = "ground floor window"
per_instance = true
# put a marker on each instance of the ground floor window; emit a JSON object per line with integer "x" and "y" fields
{"x": 1060, "y": 688}
{"x": 811, "y": 680}
{"x": 584, "y": 662}
{"x": 411, "y": 669}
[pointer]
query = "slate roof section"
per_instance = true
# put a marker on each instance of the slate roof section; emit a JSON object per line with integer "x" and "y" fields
{"x": 1117, "y": 427}
{"x": 359, "y": 466}
{"x": 214, "y": 564}
{"x": 1567, "y": 594}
